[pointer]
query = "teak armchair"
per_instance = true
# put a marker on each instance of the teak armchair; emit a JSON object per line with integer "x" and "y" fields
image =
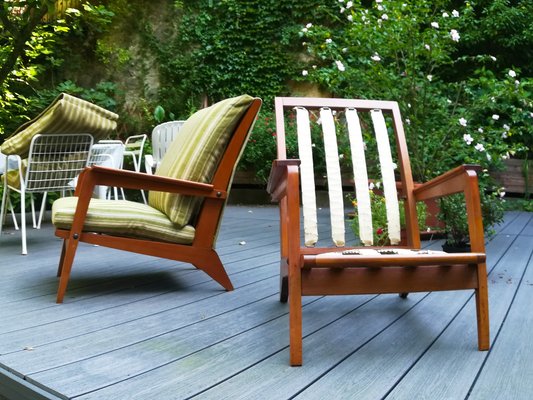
{"x": 187, "y": 196}
{"x": 341, "y": 270}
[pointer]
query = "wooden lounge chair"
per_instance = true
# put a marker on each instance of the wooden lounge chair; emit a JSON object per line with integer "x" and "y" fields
{"x": 338, "y": 269}
{"x": 187, "y": 196}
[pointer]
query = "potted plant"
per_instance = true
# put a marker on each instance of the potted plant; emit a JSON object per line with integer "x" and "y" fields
{"x": 453, "y": 214}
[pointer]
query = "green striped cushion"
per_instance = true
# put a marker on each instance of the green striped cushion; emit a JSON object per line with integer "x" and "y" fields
{"x": 195, "y": 153}
{"x": 67, "y": 114}
{"x": 122, "y": 217}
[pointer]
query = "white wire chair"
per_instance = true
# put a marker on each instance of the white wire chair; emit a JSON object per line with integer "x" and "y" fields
{"x": 162, "y": 136}
{"x": 109, "y": 154}
{"x": 133, "y": 147}
{"x": 53, "y": 163}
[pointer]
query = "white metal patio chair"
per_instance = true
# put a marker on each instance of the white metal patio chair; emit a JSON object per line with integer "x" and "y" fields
{"x": 54, "y": 161}
{"x": 109, "y": 154}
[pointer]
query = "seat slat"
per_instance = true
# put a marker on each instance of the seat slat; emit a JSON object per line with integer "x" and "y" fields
{"x": 387, "y": 174}
{"x": 336, "y": 203}
{"x": 360, "y": 177}
{"x": 307, "y": 177}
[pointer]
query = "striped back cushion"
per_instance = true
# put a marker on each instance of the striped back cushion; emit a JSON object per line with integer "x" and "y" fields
{"x": 195, "y": 154}
{"x": 67, "y": 114}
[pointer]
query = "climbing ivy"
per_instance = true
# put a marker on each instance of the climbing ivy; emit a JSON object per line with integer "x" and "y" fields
{"x": 230, "y": 47}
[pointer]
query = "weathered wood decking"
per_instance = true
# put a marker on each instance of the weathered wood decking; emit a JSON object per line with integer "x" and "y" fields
{"x": 135, "y": 327}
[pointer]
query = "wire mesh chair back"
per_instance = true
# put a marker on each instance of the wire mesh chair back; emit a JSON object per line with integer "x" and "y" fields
{"x": 55, "y": 160}
{"x": 162, "y": 136}
{"x": 355, "y": 138}
{"x": 109, "y": 154}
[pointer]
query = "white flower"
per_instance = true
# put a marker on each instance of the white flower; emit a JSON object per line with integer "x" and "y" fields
{"x": 394, "y": 165}
{"x": 517, "y": 83}
{"x": 455, "y": 13}
{"x": 384, "y": 17}
{"x": 506, "y": 127}
{"x": 379, "y": 1}
{"x": 343, "y": 9}
{"x": 435, "y": 25}
{"x": 468, "y": 139}
{"x": 304, "y": 72}
{"x": 493, "y": 99}
{"x": 502, "y": 192}
{"x": 371, "y": 186}
{"x": 479, "y": 147}
{"x": 454, "y": 35}
{"x": 512, "y": 73}
{"x": 345, "y": 50}
{"x": 341, "y": 1}
{"x": 304, "y": 30}
{"x": 375, "y": 57}
{"x": 314, "y": 66}
{"x": 462, "y": 121}
{"x": 445, "y": 15}
{"x": 408, "y": 121}
{"x": 309, "y": 25}
{"x": 531, "y": 114}
{"x": 504, "y": 135}
{"x": 380, "y": 8}
{"x": 378, "y": 184}
{"x": 489, "y": 157}
{"x": 480, "y": 130}
{"x": 505, "y": 156}
{"x": 340, "y": 66}
{"x": 495, "y": 117}
{"x": 350, "y": 17}
{"x": 427, "y": 47}
{"x": 430, "y": 77}
{"x": 493, "y": 58}
{"x": 328, "y": 40}
{"x": 349, "y": 4}
{"x": 409, "y": 105}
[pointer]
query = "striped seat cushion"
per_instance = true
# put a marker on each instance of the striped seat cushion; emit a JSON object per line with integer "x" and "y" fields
{"x": 67, "y": 114}
{"x": 195, "y": 154}
{"x": 122, "y": 217}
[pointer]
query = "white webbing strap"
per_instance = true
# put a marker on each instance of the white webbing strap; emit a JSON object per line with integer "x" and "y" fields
{"x": 336, "y": 203}
{"x": 360, "y": 174}
{"x": 387, "y": 174}
{"x": 307, "y": 176}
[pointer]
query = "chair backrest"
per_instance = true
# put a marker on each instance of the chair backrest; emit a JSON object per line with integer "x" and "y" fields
{"x": 55, "y": 160}
{"x": 162, "y": 137}
{"x": 200, "y": 152}
{"x": 367, "y": 138}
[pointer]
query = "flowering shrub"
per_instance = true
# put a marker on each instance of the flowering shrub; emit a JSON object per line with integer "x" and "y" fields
{"x": 409, "y": 51}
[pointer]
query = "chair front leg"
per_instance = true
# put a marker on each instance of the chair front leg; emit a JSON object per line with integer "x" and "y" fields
{"x": 482, "y": 308}
{"x": 70, "y": 246}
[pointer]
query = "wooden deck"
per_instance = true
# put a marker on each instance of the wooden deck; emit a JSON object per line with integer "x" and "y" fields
{"x": 135, "y": 327}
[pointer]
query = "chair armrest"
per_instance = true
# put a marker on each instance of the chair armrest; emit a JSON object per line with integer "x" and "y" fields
{"x": 451, "y": 182}
{"x": 461, "y": 179}
{"x": 277, "y": 180}
{"x": 97, "y": 175}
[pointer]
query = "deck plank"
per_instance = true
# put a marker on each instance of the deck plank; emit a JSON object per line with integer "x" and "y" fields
{"x": 137, "y": 327}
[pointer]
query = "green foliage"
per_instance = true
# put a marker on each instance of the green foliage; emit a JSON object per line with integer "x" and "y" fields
{"x": 230, "y": 47}
{"x": 380, "y": 230}
{"x": 410, "y": 51}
